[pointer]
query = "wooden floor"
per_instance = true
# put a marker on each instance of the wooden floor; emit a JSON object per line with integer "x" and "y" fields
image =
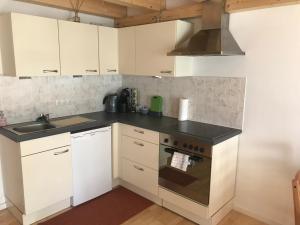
{"x": 156, "y": 215}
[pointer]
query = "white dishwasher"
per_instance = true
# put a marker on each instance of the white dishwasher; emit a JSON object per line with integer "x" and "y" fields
{"x": 92, "y": 171}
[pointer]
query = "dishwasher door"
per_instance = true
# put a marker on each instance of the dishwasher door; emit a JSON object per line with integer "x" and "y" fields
{"x": 92, "y": 170}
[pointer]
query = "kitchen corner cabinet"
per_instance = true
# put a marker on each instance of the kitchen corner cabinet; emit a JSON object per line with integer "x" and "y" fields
{"x": 37, "y": 176}
{"x": 127, "y": 50}
{"x": 29, "y": 45}
{"x": 154, "y": 41}
{"x": 78, "y": 48}
{"x": 108, "y": 50}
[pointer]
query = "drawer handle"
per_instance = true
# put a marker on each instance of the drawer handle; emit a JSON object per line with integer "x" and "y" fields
{"x": 139, "y": 144}
{"x": 62, "y": 152}
{"x": 110, "y": 71}
{"x": 91, "y": 71}
{"x": 166, "y": 71}
{"x": 138, "y": 168}
{"x": 139, "y": 131}
{"x": 50, "y": 71}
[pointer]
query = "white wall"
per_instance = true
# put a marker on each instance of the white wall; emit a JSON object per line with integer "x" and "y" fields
{"x": 14, "y": 6}
{"x": 270, "y": 145}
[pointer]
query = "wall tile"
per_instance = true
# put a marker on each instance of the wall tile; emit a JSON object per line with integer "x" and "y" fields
{"x": 24, "y": 100}
{"x": 212, "y": 99}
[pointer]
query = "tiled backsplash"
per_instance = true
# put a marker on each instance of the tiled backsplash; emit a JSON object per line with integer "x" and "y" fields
{"x": 212, "y": 100}
{"x": 24, "y": 100}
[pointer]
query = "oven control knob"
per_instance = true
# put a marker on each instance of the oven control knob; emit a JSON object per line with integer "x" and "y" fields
{"x": 166, "y": 140}
{"x": 184, "y": 145}
{"x": 201, "y": 149}
{"x": 196, "y": 148}
{"x": 191, "y": 147}
{"x": 175, "y": 142}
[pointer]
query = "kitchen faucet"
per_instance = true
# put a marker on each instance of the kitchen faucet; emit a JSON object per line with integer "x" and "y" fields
{"x": 43, "y": 118}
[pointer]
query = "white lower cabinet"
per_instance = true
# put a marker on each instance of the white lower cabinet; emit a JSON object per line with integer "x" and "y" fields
{"x": 140, "y": 176}
{"x": 37, "y": 176}
{"x": 47, "y": 178}
{"x": 139, "y": 152}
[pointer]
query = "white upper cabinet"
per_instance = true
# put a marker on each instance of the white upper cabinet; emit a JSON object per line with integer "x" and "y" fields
{"x": 108, "y": 50}
{"x": 29, "y": 45}
{"x": 37, "y": 46}
{"x": 127, "y": 50}
{"x": 78, "y": 48}
{"x": 154, "y": 41}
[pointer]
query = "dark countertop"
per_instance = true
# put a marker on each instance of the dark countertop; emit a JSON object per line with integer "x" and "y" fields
{"x": 210, "y": 134}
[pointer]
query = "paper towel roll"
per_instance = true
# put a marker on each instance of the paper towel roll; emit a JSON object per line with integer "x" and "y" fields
{"x": 183, "y": 109}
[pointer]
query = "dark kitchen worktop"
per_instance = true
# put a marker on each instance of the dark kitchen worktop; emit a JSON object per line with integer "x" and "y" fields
{"x": 208, "y": 133}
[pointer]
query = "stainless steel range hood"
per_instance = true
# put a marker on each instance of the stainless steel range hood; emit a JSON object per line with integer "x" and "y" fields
{"x": 214, "y": 39}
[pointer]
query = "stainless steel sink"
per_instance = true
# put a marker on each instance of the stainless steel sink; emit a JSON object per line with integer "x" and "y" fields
{"x": 33, "y": 127}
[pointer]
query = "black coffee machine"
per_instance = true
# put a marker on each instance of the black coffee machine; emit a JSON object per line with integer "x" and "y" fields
{"x": 128, "y": 100}
{"x": 124, "y": 101}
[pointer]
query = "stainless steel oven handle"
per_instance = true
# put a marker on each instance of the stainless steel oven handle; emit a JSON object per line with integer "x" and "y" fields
{"x": 138, "y": 168}
{"x": 191, "y": 156}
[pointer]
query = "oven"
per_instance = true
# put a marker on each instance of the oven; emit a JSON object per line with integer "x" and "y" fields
{"x": 185, "y": 167}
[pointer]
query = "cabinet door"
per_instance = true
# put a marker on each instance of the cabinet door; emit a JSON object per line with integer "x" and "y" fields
{"x": 127, "y": 50}
{"x": 153, "y": 42}
{"x": 78, "y": 48}
{"x": 36, "y": 46}
{"x": 47, "y": 178}
{"x": 140, "y": 176}
{"x": 108, "y": 50}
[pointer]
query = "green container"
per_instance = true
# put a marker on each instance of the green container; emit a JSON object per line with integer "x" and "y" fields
{"x": 156, "y": 107}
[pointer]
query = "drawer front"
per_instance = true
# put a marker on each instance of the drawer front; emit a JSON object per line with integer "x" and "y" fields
{"x": 183, "y": 203}
{"x": 47, "y": 178}
{"x": 44, "y": 144}
{"x": 140, "y": 176}
{"x": 139, "y": 151}
{"x": 140, "y": 133}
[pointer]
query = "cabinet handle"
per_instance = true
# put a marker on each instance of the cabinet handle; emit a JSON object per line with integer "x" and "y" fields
{"x": 62, "y": 152}
{"x": 50, "y": 71}
{"x": 166, "y": 71}
{"x": 138, "y": 168}
{"x": 110, "y": 71}
{"x": 139, "y": 131}
{"x": 91, "y": 71}
{"x": 139, "y": 144}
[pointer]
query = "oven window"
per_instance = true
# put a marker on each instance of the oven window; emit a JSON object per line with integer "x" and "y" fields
{"x": 191, "y": 181}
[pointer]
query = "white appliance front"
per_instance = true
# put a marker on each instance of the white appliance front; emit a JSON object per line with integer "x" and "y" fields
{"x": 92, "y": 169}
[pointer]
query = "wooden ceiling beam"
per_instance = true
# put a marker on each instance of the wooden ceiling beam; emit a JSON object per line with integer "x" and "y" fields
{"x": 93, "y": 7}
{"x": 244, "y": 5}
{"x": 155, "y": 5}
{"x": 183, "y": 12}
{"x": 195, "y": 10}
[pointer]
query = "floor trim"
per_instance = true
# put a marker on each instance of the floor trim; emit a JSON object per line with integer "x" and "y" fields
{"x": 3, "y": 206}
{"x": 255, "y": 215}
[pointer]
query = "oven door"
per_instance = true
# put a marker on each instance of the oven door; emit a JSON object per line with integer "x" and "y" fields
{"x": 192, "y": 182}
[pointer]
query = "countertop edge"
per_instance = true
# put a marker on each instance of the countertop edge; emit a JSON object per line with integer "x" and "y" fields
{"x": 107, "y": 122}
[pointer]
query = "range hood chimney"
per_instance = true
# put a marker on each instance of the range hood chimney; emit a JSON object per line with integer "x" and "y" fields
{"x": 214, "y": 39}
